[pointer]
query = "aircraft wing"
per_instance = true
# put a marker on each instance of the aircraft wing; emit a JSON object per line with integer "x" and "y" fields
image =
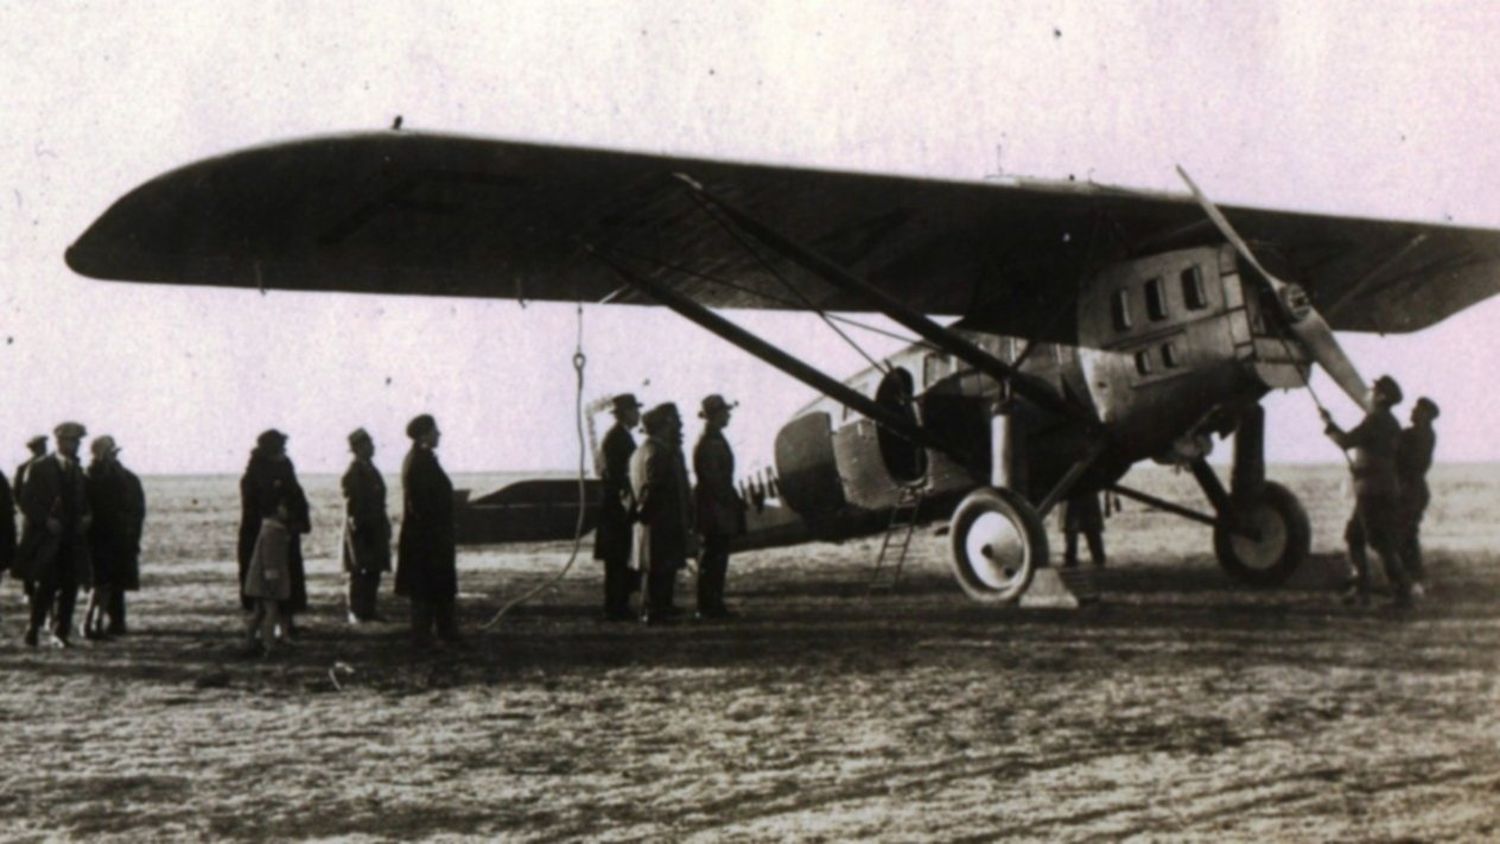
{"x": 414, "y": 213}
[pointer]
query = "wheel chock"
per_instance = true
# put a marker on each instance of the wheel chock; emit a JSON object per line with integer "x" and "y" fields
{"x": 1049, "y": 591}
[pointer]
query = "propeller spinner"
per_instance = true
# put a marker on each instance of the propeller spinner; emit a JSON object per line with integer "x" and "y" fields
{"x": 1297, "y": 311}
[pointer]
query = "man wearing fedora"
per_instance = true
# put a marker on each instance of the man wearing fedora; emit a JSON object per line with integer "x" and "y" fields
{"x": 54, "y": 553}
{"x": 1376, "y": 518}
{"x": 118, "y": 503}
{"x": 612, "y": 536}
{"x": 719, "y": 509}
{"x": 367, "y": 528}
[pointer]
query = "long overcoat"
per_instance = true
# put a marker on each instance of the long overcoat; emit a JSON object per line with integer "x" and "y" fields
{"x": 265, "y": 485}
{"x": 427, "y": 564}
{"x": 664, "y": 526}
{"x": 612, "y": 536}
{"x": 52, "y": 492}
{"x": 118, "y": 502}
{"x": 367, "y": 538}
{"x": 720, "y": 511}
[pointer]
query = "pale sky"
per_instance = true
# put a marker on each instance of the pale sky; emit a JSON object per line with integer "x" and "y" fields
{"x": 1375, "y": 109}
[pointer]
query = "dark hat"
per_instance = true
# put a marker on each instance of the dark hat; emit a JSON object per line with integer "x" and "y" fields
{"x": 70, "y": 430}
{"x": 421, "y": 425}
{"x": 359, "y": 435}
{"x": 1386, "y": 386}
{"x": 655, "y": 418}
{"x": 713, "y": 403}
{"x": 271, "y": 438}
{"x": 105, "y": 445}
{"x": 626, "y": 401}
{"x": 1424, "y": 403}
{"x": 37, "y": 442}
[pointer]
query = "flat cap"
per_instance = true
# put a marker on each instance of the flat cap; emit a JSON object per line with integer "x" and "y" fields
{"x": 1387, "y": 386}
{"x": 714, "y": 402}
{"x": 359, "y": 435}
{"x": 70, "y": 430}
{"x": 37, "y": 442}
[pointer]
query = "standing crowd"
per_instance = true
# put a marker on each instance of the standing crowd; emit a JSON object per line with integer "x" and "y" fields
{"x": 80, "y": 530}
{"x": 652, "y": 520}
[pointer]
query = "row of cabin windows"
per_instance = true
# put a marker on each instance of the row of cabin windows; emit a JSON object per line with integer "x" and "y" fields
{"x": 1194, "y": 298}
{"x": 1170, "y": 359}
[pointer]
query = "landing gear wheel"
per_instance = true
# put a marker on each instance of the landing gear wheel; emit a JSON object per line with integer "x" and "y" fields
{"x": 996, "y": 543}
{"x": 1280, "y": 546}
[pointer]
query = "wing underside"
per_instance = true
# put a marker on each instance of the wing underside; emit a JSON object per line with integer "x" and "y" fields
{"x": 410, "y": 213}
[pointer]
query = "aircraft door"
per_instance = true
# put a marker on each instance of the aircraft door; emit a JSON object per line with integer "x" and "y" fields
{"x": 905, "y": 460}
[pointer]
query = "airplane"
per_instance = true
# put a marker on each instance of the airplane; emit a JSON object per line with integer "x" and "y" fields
{"x": 1094, "y": 327}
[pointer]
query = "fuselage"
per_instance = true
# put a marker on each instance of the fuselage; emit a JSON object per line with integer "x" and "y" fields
{"x": 1171, "y": 348}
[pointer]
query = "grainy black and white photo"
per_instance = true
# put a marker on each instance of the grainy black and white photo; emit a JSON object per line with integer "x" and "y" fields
{"x": 741, "y": 421}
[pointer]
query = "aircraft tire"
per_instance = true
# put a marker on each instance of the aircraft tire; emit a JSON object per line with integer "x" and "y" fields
{"x": 1286, "y": 537}
{"x": 996, "y": 541}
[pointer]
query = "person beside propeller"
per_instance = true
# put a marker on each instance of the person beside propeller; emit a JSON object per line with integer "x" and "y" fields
{"x": 1376, "y": 517}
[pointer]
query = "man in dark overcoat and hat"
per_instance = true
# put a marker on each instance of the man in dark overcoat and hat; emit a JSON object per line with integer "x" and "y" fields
{"x": 612, "y": 536}
{"x": 427, "y": 563}
{"x": 664, "y": 537}
{"x": 1376, "y": 518}
{"x": 38, "y": 447}
{"x": 720, "y": 511}
{"x": 367, "y": 528}
{"x": 54, "y": 552}
{"x": 118, "y": 503}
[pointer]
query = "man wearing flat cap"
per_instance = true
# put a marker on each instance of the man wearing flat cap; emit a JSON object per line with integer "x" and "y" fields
{"x": 427, "y": 561}
{"x": 719, "y": 509}
{"x": 612, "y": 536}
{"x": 1376, "y": 511}
{"x": 664, "y": 537}
{"x": 118, "y": 502}
{"x": 367, "y": 528}
{"x": 54, "y": 553}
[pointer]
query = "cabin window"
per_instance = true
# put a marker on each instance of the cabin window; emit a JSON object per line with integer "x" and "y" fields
{"x": 1120, "y": 309}
{"x": 1169, "y": 357}
{"x": 1143, "y": 361}
{"x": 1193, "y": 294}
{"x": 1156, "y": 300}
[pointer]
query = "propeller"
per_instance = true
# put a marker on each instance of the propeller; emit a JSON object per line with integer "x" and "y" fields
{"x": 1297, "y": 312}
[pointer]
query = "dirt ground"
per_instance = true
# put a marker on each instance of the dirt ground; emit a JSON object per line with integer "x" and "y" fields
{"x": 1182, "y": 707}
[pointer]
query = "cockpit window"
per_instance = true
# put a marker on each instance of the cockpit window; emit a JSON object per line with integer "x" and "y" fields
{"x": 1120, "y": 309}
{"x": 1156, "y": 300}
{"x": 1193, "y": 294}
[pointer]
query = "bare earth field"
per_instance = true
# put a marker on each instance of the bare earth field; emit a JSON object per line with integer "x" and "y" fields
{"x": 1183, "y": 707}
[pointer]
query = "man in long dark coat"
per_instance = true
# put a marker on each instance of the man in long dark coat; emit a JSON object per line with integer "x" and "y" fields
{"x": 427, "y": 564}
{"x": 1080, "y": 513}
{"x": 38, "y": 447}
{"x": 719, "y": 509}
{"x": 367, "y": 528}
{"x": 118, "y": 502}
{"x": 664, "y": 530}
{"x": 612, "y": 536}
{"x": 1376, "y": 518}
{"x": 270, "y": 480}
{"x": 54, "y": 553}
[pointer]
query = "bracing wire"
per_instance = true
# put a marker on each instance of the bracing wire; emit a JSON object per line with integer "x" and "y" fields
{"x": 580, "y": 361}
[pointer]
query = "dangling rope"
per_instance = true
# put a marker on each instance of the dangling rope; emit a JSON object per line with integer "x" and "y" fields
{"x": 579, "y": 362}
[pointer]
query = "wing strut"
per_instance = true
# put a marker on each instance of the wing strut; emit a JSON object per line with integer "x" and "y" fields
{"x": 737, "y": 336}
{"x": 1029, "y": 387}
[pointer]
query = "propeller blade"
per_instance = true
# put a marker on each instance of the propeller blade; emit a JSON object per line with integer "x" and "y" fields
{"x": 1301, "y": 318}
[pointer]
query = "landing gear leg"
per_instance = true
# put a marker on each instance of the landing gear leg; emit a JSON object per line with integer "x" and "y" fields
{"x": 1262, "y": 533}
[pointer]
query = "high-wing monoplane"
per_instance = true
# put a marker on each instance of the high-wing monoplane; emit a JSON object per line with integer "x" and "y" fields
{"x": 1095, "y": 327}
